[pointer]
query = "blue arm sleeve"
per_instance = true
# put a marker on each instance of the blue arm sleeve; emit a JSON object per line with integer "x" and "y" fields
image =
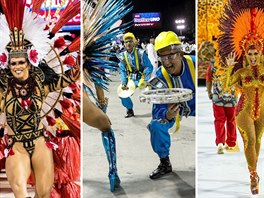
{"x": 123, "y": 72}
{"x": 159, "y": 112}
{"x": 148, "y": 66}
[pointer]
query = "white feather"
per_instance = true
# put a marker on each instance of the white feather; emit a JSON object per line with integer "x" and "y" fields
{"x": 4, "y": 33}
{"x": 33, "y": 27}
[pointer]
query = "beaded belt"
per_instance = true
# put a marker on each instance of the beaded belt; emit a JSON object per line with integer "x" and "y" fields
{"x": 27, "y": 139}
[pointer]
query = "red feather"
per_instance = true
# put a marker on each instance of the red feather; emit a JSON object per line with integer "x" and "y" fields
{"x": 75, "y": 88}
{"x": 73, "y": 125}
{"x": 75, "y": 45}
{"x": 14, "y": 12}
{"x": 49, "y": 145}
{"x": 59, "y": 43}
{"x": 253, "y": 13}
{"x": 11, "y": 152}
{"x": 65, "y": 103}
{"x": 54, "y": 193}
{"x": 71, "y": 10}
{"x": 51, "y": 121}
{"x": 69, "y": 60}
{"x": 76, "y": 96}
{"x": 36, "y": 5}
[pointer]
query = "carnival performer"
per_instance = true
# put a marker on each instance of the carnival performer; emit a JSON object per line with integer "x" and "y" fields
{"x": 101, "y": 121}
{"x": 177, "y": 71}
{"x": 223, "y": 104}
{"x": 241, "y": 46}
{"x": 26, "y": 80}
{"x": 136, "y": 66}
{"x": 98, "y": 20}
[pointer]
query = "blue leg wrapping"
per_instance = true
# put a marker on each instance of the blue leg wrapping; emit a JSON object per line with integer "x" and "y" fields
{"x": 108, "y": 139}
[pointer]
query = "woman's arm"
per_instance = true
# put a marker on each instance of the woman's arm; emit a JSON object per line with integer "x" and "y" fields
{"x": 229, "y": 78}
{"x": 63, "y": 80}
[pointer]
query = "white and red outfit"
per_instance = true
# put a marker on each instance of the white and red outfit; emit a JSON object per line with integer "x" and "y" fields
{"x": 224, "y": 110}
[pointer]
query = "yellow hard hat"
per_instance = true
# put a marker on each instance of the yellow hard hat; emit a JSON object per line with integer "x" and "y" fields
{"x": 129, "y": 35}
{"x": 165, "y": 39}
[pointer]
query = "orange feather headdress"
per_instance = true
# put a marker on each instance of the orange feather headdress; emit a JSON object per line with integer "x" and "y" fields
{"x": 242, "y": 28}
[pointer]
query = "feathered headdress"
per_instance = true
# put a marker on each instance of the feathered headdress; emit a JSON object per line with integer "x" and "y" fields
{"x": 27, "y": 37}
{"x": 98, "y": 34}
{"x": 24, "y": 33}
{"x": 242, "y": 27}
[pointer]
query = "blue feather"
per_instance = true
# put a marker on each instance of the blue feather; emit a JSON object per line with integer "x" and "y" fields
{"x": 99, "y": 48}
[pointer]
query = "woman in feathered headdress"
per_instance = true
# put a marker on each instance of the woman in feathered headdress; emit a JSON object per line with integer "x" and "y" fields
{"x": 26, "y": 80}
{"x": 98, "y": 32}
{"x": 241, "y": 45}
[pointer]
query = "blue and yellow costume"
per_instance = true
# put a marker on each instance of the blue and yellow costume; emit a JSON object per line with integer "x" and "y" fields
{"x": 177, "y": 71}
{"x": 135, "y": 66}
{"x": 160, "y": 138}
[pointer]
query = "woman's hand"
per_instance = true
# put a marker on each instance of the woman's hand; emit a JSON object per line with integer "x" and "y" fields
{"x": 75, "y": 70}
{"x": 230, "y": 60}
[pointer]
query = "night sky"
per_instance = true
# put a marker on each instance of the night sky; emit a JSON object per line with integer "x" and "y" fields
{"x": 170, "y": 10}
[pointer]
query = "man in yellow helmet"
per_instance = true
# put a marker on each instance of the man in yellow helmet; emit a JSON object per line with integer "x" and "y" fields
{"x": 177, "y": 71}
{"x": 134, "y": 65}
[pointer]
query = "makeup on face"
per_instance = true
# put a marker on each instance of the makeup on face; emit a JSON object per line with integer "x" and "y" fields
{"x": 19, "y": 67}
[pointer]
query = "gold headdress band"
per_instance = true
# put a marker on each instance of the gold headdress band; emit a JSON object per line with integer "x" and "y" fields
{"x": 252, "y": 41}
{"x": 17, "y": 44}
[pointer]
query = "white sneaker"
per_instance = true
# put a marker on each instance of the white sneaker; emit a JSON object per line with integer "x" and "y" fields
{"x": 220, "y": 148}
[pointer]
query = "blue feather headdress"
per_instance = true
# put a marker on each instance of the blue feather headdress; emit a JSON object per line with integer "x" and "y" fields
{"x": 98, "y": 34}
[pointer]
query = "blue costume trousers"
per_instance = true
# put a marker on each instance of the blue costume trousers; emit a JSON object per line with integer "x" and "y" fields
{"x": 127, "y": 102}
{"x": 160, "y": 137}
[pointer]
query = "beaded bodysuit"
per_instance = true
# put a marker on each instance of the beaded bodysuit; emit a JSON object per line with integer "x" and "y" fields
{"x": 22, "y": 103}
{"x": 250, "y": 108}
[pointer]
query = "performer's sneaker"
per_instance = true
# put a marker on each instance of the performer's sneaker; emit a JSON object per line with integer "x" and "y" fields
{"x": 230, "y": 147}
{"x": 220, "y": 148}
{"x": 130, "y": 113}
{"x": 163, "y": 168}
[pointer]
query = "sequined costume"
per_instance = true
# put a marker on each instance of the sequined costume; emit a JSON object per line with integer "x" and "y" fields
{"x": 241, "y": 47}
{"x": 24, "y": 121}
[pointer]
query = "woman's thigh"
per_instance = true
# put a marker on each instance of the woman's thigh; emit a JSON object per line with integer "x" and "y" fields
{"x": 18, "y": 169}
{"x": 42, "y": 164}
{"x": 93, "y": 116}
